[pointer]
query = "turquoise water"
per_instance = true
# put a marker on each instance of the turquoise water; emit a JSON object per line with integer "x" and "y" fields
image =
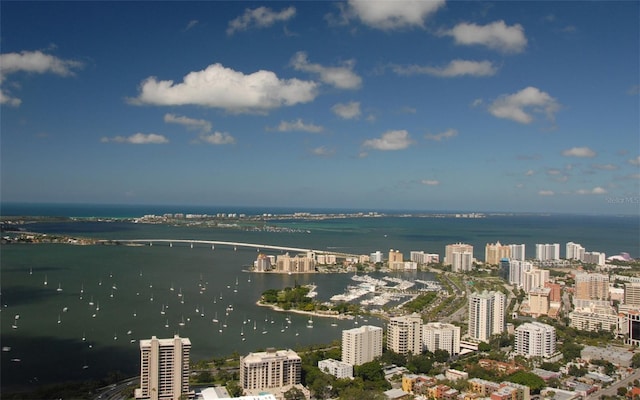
{"x": 52, "y": 352}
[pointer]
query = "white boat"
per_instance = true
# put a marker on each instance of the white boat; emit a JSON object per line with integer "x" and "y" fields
{"x": 98, "y": 306}
{"x": 181, "y": 323}
{"x": 84, "y": 338}
{"x": 82, "y": 288}
{"x": 115, "y": 336}
{"x": 162, "y": 312}
{"x": 45, "y": 280}
{"x": 30, "y": 271}
{"x": 65, "y": 309}
{"x": 215, "y": 319}
{"x": 254, "y": 325}
{"x": 91, "y": 301}
{"x": 59, "y": 320}
{"x": 166, "y": 324}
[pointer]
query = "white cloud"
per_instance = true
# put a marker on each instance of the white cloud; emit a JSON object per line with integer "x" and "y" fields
{"x": 529, "y": 173}
{"x": 390, "y": 140}
{"x": 635, "y": 161}
{"x": 430, "y": 182}
{"x": 449, "y": 133}
{"x": 553, "y": 171}
{"x": 546, "y": 193}
{"x": 137, "y": 138}
{"x": 189, "y": 123}
{"x": 339, "y": 77}
{"x": 261, "y": 17}
{"x": 218, "y": 138}
{"x": 595, "y": 190}
{"x": 298, "y": 125}
{"x": 496, "y": 36}
{"x": 388, "y": 15}
{"x": 35, "y": 62}
{"x": 453, "y": 69}
{"x": 322, "y": 151}
{"x": 220, "y": 87}
{"x": 191, "y": 24}
{"x": 349, "y": 110}
{"x": 579, "y": 152}
{"x": 532, "y": 99}
{"x": 604, "y": 167}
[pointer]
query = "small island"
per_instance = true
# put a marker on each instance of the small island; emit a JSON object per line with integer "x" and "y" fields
{"x": 299, "y": 299}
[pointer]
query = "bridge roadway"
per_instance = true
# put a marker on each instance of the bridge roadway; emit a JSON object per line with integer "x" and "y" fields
{"x": 235, "y": 244}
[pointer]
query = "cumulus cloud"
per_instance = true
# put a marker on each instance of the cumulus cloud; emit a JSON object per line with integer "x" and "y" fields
{"x": 595, "y": 190}
{"x": 189, "y": 123}
{"x": 389, "y": 15}
{"x": 349, "y": 110}
{"x": 448, "y": 134}
{"x": 390, "y": 140}
{"x": 430, "y": 182}
{"x": 529, "y": 173}
{"x": 218, "y": 138}
{"x": 339, "y": 77}
{"x": 261, "y": 17}
{"x": 453, "y": 69}
{"x": 298, "y": 125}
{"x": 519, "y": 106}
{"x": 221, "y": 87}
{"x": 34, "y": 62}
{"x": 322, "y": 151}
{"x": 546, "y": 193}
{"x": 137, "y": 138}
{"x": 497, "y": 36}
{"x": 579, "y": 152}
{"x": 635, "y": 161}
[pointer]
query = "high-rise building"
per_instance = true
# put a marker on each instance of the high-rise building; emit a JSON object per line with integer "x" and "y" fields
{"x": 574, "y": 251}
{"x": 539, "y": 302}
{"x": 270, "y": 369}
{"x": 517, "y": 252}
{"x": 545, "y": 252}
{"x": 164, "y": 368}
{"x": 486, "y": 315}
{"x": 376, "y": 257}
{"x": 592, "y": 286}
{"x": 395, "y": 256}
{"x": 441, "y": 336}
{"x": 404, "y": 334}
{"x": 632, "y": 293}
{"x": 421, "y": 257}
{"x": 517, "y": 270}
{"x": 534, "y": 278}
{"x": 494, "y": 252}
{"x": 361, "y": 345}
{"x": 458, "y": 263}
{"x": 535, "y": 339}
{"x": 594, "y": 257}
{"x": 297, "y": 264}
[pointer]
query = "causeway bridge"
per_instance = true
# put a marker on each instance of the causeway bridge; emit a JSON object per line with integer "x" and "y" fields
{"x": 213, "y": 243}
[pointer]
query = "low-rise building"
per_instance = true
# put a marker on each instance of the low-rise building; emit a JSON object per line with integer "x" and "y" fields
{"x": 339, "y": 369}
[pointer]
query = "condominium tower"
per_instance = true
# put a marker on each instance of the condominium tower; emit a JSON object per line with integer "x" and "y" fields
{"x": 546, "y": 252}
{"x": 441, "y": 336}
{"x": 164, "y": 368}
{"x": 270, "y": 369}
{"x": 361, "y": 345}
{"x": 459, "y": 256}
{"x": 404, "y": 334}
{"x": 494, "y": 252}
{"x": 486, "y": 315}
{"x": 534, "y": 339}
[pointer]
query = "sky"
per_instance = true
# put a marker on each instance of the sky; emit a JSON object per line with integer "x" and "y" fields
{"x": 404, "y": 105}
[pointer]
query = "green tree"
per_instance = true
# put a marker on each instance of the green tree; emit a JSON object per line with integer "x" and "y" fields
{"x": 622, "y": 391}
{"x": 441, "y": 356}
{"x": 234, "y": 389}
{"x": 635, "y": 360}
{"x": 294, "y": 394}
{"x": 532, "y": 380}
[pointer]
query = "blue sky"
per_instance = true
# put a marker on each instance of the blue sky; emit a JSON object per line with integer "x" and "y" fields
{"x": 419, "y": 105}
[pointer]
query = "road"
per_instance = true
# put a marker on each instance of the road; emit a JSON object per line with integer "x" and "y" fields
{"x": 114, "y": 392}
{"x": 613, "y": 389}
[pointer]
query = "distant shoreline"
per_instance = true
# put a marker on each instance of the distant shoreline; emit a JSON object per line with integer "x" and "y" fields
{"x": 312, "y": 313}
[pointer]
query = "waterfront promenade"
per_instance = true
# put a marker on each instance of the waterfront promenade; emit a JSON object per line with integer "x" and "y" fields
{"x": 213, "y": 243}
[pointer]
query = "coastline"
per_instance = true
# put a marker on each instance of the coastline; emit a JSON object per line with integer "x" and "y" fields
{"x": 312, "y": 313}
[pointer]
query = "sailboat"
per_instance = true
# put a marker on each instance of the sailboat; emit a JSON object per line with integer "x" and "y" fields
{"x": 84, "y": 338}
{"x": 59, "y": 289}
{"x": 162, "y": 312}
{"x": 59, "y": 320}
{"x": 181, "y": 323}
{"x": 45, "y": 280}
{"x": 254, "y": 325}
{"x": 98, "y": 306}
{"x": 202, "y": 312}
{"x": 215, "y": 319}
{"x": 310, "y": 322}
{"x": 30, "y": 271}
{"x": 82, "y": 288}
{"x": 166, "y": 324}
{"x": 15, "y": 322}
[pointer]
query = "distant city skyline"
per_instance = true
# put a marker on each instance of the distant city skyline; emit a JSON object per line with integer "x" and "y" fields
{"x": 433, "y": 105}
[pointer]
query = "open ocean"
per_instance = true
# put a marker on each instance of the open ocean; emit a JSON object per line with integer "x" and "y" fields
{"x": 61, "y": 336}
